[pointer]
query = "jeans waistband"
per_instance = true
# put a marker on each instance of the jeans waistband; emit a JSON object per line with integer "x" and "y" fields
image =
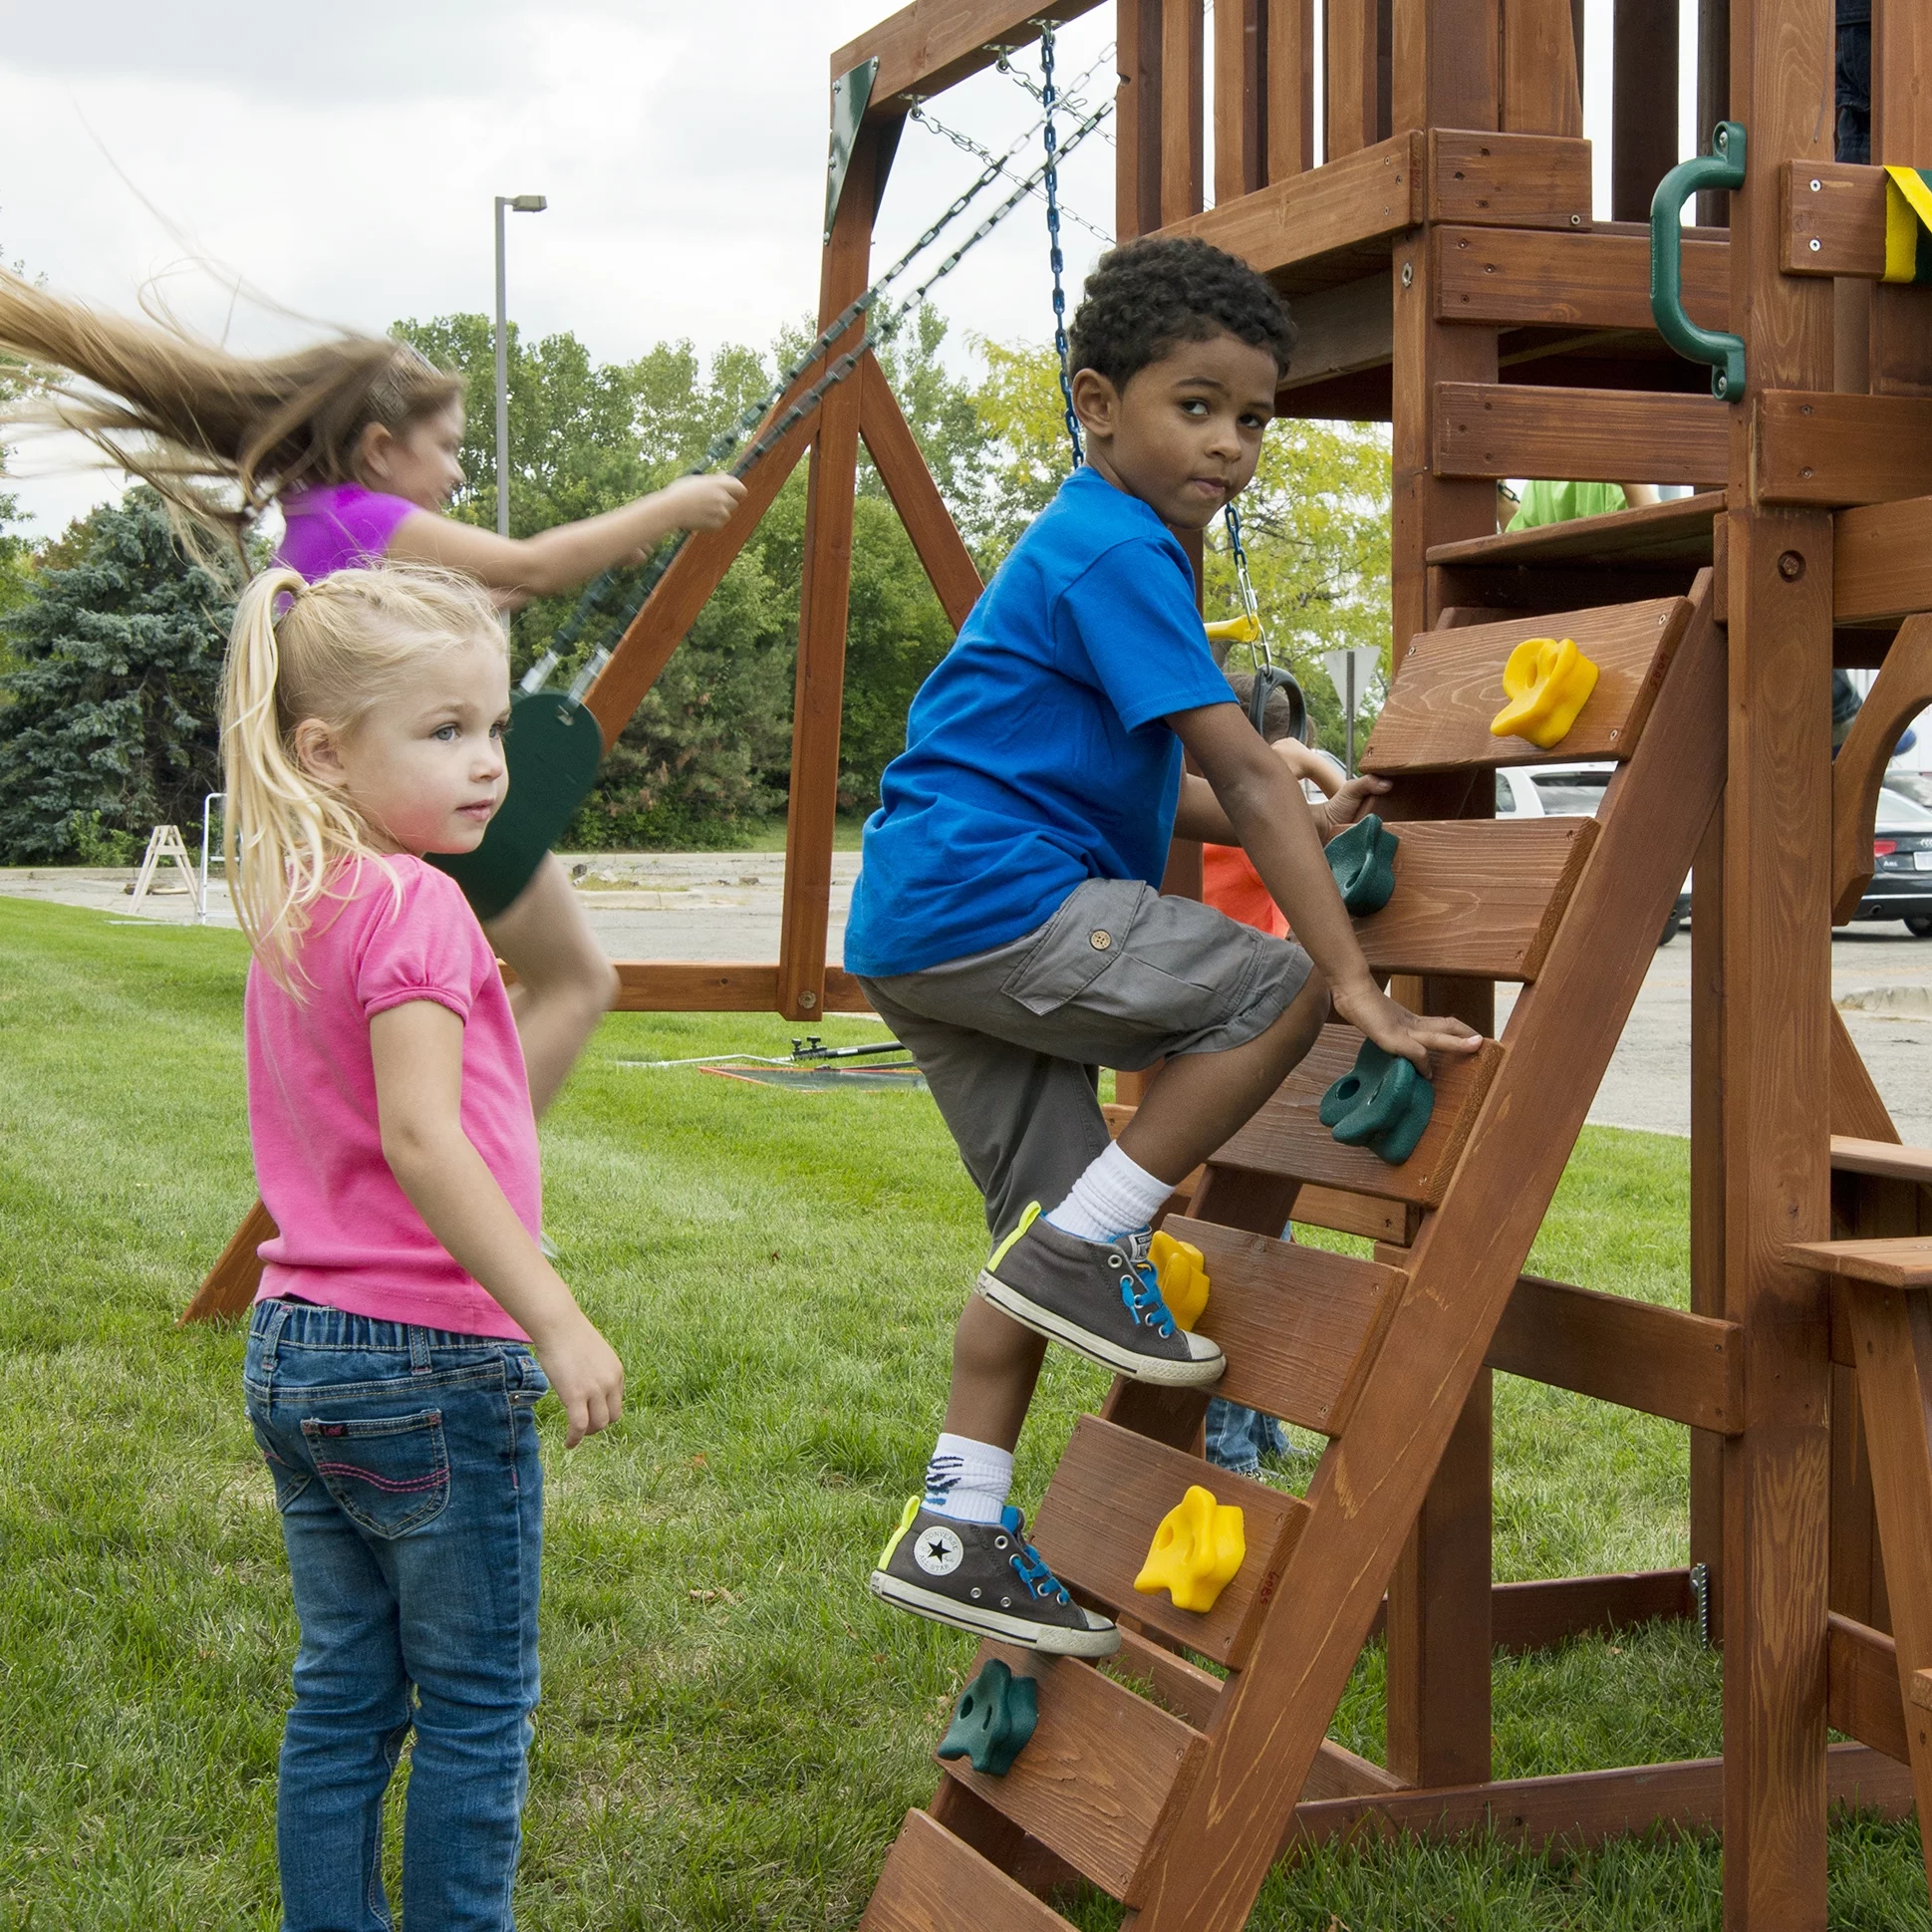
{"x": 287, "y": 1323}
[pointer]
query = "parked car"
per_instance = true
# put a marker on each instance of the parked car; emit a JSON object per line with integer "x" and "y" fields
{"x": 1576, "y": 791}
{"x": 1901, "y": 848}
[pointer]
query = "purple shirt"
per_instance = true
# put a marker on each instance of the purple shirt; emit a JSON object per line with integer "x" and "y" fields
{"x": 338, "y": 526}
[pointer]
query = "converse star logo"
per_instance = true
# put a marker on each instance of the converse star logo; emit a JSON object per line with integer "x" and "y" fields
{"x": 939, "y": 1551}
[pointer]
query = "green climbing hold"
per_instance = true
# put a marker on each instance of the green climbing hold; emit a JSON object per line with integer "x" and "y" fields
{"x": 992, "y": 1721}
{"x": 1363, "y": 861}
{"x": 1382, "y": 1104}
{"x": 553, "y": 747}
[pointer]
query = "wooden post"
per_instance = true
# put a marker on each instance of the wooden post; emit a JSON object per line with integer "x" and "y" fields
{"x": 1136, "y": 118}
{"x": 1240, "y": 96}
{"x": 1439, "y": 1597}
{"x": 1707, "y": 1188}
{"x": 1900, "y": 347}
{"x": 1183, "y": 109}
{"x": 1643, "y": 105}
{"x": 1776, "y": 1041}
{"x": 1351, "y": 64}
{"x": 823, "y": 604}
{"x": 1713, "y": 97}
{"x": 1289, "y": 66}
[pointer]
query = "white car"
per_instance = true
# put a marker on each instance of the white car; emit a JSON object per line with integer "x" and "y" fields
{"x": 1570, "y": 791}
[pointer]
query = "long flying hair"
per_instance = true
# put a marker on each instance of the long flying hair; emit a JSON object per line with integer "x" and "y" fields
{"x": 218, "y": 435}
{"x": 338, "y": 650}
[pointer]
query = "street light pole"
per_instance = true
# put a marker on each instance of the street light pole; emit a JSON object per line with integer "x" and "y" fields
{"x": 521, "y": 204}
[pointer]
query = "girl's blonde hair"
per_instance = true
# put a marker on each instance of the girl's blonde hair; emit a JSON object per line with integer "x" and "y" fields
{"x": 335, "y": 650}
{"x": 218, "y": 435}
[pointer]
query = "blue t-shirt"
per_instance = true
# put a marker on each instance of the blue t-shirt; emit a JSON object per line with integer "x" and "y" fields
{"x": 1036, "y": 756}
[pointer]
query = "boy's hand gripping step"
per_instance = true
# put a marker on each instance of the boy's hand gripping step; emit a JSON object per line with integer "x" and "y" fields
{"x": 1100, "y": 1298}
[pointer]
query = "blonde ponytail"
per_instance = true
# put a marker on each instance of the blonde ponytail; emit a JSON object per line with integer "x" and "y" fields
{"x": 218, "y": 435}
{"x": 338, "y": 650}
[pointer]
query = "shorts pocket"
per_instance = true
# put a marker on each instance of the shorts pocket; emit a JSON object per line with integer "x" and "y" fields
{"x": 1076, "y": 946}
{"x": 389, "y": 1476}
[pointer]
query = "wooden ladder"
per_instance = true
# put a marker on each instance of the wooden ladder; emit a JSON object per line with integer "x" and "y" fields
{"x": 1152, "y": 1778}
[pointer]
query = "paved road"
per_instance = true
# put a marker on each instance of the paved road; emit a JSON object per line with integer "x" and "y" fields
{"x": 725, "y": 906}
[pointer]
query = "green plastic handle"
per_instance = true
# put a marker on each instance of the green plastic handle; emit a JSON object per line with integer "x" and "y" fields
{"x": 1722, "y": 167}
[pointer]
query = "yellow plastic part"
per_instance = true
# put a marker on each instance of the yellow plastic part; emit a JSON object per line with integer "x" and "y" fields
{"x": 1547, "y": 682}
{"x": 1245, "y": 629}
{"x": 1195, "y": 1551}
{"x": 1182, "y": 1271}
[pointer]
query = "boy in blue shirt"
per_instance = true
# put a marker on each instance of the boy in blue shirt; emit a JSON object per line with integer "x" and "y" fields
{"x": 1007, "y": 923}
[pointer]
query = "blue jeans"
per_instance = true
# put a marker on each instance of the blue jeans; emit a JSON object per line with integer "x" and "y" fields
{"x": 411, "y": 1498}
{"x": 1238, "y": 1437}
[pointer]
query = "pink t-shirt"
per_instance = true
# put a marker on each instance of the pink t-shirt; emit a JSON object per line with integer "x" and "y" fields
{"x": 348, "y": 1235}
{"x": 338, "y": 526}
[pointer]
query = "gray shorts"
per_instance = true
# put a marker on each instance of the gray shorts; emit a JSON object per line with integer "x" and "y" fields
{"x": 1010, "y": 1040}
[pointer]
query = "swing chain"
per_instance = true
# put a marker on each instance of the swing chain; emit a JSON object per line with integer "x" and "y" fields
{"x": 1244, "y": 587}
{"x": 878, "y": 330}
{"x": 968, "y": 145}
{"x": 1048, "y": 100}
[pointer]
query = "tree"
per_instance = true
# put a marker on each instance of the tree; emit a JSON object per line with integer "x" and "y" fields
{"x": 113, "y": 728}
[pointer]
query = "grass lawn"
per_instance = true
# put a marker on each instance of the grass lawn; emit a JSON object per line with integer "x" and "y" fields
{"x": 732, "y": 1726}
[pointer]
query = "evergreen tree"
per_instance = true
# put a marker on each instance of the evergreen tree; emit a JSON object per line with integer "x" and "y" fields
{"x": 113, "y": 726}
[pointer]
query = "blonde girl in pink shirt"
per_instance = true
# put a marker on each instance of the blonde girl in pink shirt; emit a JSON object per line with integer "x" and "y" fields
{"x": 408, "y": 1322}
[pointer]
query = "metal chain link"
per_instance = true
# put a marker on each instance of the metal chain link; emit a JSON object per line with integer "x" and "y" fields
{"x": 1054, "y": 256}
{"x": 878, "y": 331}
{"x": 967, "y": 145}
{"x": 1244, "y": 587}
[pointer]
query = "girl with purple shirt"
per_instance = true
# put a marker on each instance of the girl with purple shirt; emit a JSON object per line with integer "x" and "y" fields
{"x": 358, "y": 439}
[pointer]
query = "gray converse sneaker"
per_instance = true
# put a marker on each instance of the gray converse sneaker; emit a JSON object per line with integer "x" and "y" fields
{"x": 1099, "y": 1297}
{"x": 985, "y": 1576}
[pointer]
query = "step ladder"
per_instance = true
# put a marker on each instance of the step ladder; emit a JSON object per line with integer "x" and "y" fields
{"x": 1152, "y": 1778}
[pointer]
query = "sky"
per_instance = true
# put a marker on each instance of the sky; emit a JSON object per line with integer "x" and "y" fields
{"x": 338, "y": 165}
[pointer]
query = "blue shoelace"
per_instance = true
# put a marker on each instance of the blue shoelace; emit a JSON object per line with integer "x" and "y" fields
{"x": 1140, "y": 1288}
{"x": 1030, "y": 1564}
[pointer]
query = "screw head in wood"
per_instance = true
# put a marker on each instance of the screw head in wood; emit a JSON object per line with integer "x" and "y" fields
{"x": 1576, "y": 221}
{"x": 1816, "y": 244}
{"x": 1408, "y": 274}
{"x": 1791, "y": 566}
{"x": 808, "y": 999}
{"x": 1817, "y": 185}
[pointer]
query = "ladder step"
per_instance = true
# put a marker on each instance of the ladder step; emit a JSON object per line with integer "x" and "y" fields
{"x": 1676, "y": 533}
{"x": 935, "y": 1882}
{"x": 1300, "y": 1326}
{"x": 1287, "y": 1138}
{"x": 1885, "y": 1160}
{"x": 1098, "y": 1518}
{"x": 1481, "y": 898}
{"x": 1437, "y": 713}
{"x": 1095, "y": 1777}
{"x": 1902, "y": 1263}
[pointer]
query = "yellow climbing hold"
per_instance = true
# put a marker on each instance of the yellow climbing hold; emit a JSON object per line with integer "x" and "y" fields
{"x": 1195, "y": 1551}
{"x": 1547, "y": 682}
{"x": 1245, "y": 629}
{"x": 1182, "y": 1271}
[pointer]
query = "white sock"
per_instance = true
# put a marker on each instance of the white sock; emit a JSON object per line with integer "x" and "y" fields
{"x": 968, "y": 1481}
{"x": 1113, "y": 1198}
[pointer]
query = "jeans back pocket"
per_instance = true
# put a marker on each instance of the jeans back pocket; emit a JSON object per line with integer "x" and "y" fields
{"x": 388, "y": 1475}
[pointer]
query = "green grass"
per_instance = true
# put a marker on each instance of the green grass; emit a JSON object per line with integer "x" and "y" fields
{"x": 732, "y": 1726}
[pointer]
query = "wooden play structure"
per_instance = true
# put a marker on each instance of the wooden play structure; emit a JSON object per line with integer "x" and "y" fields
{"x": 1449, "y": 277}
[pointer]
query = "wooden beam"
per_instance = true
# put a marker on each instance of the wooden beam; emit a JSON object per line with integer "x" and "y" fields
{"x": 1595, "y": 436}
{"x": 1311, "y": 216}
{"x": 1341, "y": 330}
{"x": 1816, "y": 448}
{"x": 1541, "y": 75}
{"x": 824, "y": 604}
{"x": 1351, "y": 62}
{"x": 1643, "y": 104}
{"x": 1540, "y": 278}
{"x": 1182, "y": 111}
{"x": 1240, "y": 96}
{"x": 1444, "y": 64}
{"x": 1861, "y": 1667}
{"x": 1289, "y": 81}
{"x": 1508, "y": 180}
{"x": 1684, "y": 1367}
{"x": 1881, "y": 561}
{"x": 1136, "y": 118}
{"x": 237, "y": 1272}
{"x": 1901, "y": 691}
{"x": 640, "y": 656}
{"x": 1587, "y": 1807}
{"x": 948, "y": 565}
{"x": 928, "y": 47}
{"x": 1834, "y": 219}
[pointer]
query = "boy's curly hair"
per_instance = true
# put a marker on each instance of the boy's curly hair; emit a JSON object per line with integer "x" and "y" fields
{"x": 1146, "y": 297}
